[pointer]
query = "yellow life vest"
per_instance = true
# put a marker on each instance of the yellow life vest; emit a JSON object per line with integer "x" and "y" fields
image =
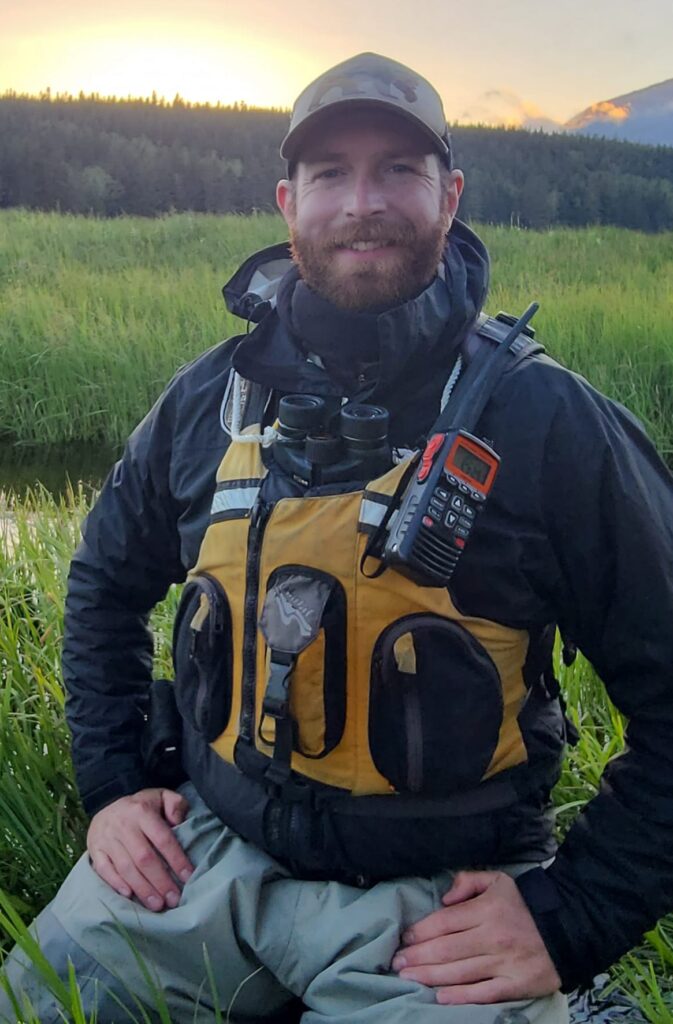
{"x": 373, "y": 686}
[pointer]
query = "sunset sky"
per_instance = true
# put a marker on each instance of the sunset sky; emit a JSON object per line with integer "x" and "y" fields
{"x": 503, "y": 61}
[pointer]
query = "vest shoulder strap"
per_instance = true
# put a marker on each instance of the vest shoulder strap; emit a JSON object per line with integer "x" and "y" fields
{"x": 493, "y": 329}
{"x": 486, "y": 330}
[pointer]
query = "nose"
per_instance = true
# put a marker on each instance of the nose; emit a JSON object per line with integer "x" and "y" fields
{"x": 365, "y": 196}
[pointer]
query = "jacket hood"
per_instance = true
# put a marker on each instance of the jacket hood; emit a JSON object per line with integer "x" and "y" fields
{"x": 252, "y": 291}
{"x": 422, "y": 332}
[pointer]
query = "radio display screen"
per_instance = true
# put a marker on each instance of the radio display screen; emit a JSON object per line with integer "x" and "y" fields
{"x": 471, "y": 465}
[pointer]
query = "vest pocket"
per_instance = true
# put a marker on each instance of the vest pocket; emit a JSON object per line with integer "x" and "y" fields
{"x": 435, "y": 706}
{"x": 304, "y": 618}
{"x": 202, "y": 656}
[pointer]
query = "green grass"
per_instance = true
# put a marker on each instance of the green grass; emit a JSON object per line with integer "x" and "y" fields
{"x": 42, "y": 827}
{"x": 98, "y": 314}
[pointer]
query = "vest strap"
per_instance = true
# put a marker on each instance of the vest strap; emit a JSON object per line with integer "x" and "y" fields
{"x": 276, "y": 705}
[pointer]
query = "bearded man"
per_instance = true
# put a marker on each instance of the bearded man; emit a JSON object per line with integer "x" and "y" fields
{"x": 364, "y": 825}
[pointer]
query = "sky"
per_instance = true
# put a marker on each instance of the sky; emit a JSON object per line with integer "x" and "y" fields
{"x": 494, "y": 61}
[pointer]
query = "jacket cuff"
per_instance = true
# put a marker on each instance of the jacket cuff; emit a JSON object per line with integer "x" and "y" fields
{"x": 543, "y": 900}
{"x": 122, "y": 785}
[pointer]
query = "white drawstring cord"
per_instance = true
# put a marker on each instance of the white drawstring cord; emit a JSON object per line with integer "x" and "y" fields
{"x": 265, "y": 439}
{"x": 451, "y": 382}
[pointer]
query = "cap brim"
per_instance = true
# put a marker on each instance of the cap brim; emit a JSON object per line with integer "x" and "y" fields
{"x": 296, "y": 137}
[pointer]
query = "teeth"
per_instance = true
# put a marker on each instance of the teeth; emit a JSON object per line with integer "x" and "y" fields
{"x": 367, "y": 246}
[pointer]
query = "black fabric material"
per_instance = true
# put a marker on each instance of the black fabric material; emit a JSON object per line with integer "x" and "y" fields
{"x": 578, "y": 530}
{"x": 400, "y": 358}
{"x": 202, "y": 658}
{"x": 433, "y": 731}
{"x": 316, "y": 841}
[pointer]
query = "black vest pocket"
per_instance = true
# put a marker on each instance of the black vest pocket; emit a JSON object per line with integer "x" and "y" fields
{"x": 304, "y": 614}
{"x": 435, "y": 706}
{"x": 202, "y": 656}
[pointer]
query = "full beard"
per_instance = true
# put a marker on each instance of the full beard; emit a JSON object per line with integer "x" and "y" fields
{"x": 380, "y": 283}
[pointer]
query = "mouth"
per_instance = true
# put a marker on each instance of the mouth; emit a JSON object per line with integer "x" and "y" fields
{"x": 366, "y": 251}
{"x": 367, "y": 246}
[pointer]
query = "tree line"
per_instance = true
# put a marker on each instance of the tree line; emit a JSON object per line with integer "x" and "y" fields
{"x": 108, "y": 156}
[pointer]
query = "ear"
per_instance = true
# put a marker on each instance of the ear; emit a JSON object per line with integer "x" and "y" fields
{"x": 454, "y": 191}
{"x": 285, "y": 199}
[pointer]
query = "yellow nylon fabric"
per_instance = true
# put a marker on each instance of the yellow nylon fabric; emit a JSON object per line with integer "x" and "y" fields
{"x": 322, "y": 533}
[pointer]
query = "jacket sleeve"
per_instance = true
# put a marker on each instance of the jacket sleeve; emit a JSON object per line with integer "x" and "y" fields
{"x": 128, "y": 557}
{"x": 608, "y": 505}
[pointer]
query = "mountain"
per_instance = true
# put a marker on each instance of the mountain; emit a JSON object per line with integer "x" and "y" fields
{"x": 645, "y": 115}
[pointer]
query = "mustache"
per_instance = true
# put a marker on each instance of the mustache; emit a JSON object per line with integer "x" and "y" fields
{"x": 395, "y": 234}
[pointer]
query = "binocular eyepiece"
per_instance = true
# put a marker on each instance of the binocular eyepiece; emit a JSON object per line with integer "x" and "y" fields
{"x": 317, "y": 446}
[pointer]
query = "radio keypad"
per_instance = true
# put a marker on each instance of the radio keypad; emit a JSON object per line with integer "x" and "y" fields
{"x": 453, "y": 509}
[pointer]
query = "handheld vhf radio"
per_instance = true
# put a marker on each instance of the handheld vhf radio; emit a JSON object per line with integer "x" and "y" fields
{"x": 453, "y": 478}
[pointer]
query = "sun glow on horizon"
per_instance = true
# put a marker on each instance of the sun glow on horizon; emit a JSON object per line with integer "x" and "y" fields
{"x": 115, "y": 61}
{"x": 263, "y": 54}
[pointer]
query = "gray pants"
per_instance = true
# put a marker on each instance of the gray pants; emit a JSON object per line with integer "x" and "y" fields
{"x": 245, "y": 939}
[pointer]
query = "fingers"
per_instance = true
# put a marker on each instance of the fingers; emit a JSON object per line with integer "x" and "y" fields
{"x": 483, "y": 948}
{"x": 163, "y": 840}
{"x": 103, "y": 866}
{"x": 467, "y": 884}
{"x": 441, "y": 922}
{"x": 461, "y": 972}
{"x": 134, "y": 850}
{"x": 141, "y": 860}
{"x": 175, "y": 806}
{"x": 458, "y": 914}
{"x": 141, "y": 869}
{"x": 445, "y": 949}
{"x": 494, "y": 990}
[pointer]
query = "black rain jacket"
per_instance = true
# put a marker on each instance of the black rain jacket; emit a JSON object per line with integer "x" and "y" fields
{"x": 578, "y": 532}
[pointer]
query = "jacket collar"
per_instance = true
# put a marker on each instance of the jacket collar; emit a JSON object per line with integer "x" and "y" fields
{"x": 314, "y": 346}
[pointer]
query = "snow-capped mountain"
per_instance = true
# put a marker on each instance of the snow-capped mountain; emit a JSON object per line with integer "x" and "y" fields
{"x": 645, "y": 115}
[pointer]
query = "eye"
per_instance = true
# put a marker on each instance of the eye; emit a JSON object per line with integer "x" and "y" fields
{"x": 328, "y": 174}
{"x": 401, "y": 169}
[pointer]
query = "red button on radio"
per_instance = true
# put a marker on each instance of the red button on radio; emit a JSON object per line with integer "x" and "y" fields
{"x": 431, "y": 449}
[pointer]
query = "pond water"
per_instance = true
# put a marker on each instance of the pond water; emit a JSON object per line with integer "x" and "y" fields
{"x": 55, "y": 467}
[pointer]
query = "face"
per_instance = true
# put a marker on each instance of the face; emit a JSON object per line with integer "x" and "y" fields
{"x": 368, "y": 210}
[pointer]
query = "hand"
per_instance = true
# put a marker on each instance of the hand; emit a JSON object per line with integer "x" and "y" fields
{"x": 482, "y": 947}
{"x": 133, "y": 849}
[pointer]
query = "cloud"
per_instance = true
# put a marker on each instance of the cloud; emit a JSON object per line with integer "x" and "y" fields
{"x": 498, "y": 107}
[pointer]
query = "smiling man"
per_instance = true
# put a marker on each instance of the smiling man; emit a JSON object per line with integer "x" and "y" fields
{"x": 364, "y": 830}
{"x": 368, "y": 208}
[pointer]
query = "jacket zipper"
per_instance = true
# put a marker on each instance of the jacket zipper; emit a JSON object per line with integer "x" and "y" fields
{"x": 414, "y": 730}
{"x": 413, "y": 727}
{"x": 259, "y": 516}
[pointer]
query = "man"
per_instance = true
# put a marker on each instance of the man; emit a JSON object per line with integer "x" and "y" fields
{"x": 410, "y": 731}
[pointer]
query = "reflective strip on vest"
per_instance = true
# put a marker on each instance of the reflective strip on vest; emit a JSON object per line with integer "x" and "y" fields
{"x": 372, "y": 512}
{"x": 234, "y": 499}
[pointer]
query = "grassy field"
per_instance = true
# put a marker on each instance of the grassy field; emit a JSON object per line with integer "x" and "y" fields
{"x": 42, "y": 827}
{"x": 97, "y": 315}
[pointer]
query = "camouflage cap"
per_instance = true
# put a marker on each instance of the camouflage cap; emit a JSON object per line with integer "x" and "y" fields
{"x": 369, "y": 80}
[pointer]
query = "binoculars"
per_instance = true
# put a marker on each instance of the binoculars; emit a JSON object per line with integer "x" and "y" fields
{"x": 315, "y": 446}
